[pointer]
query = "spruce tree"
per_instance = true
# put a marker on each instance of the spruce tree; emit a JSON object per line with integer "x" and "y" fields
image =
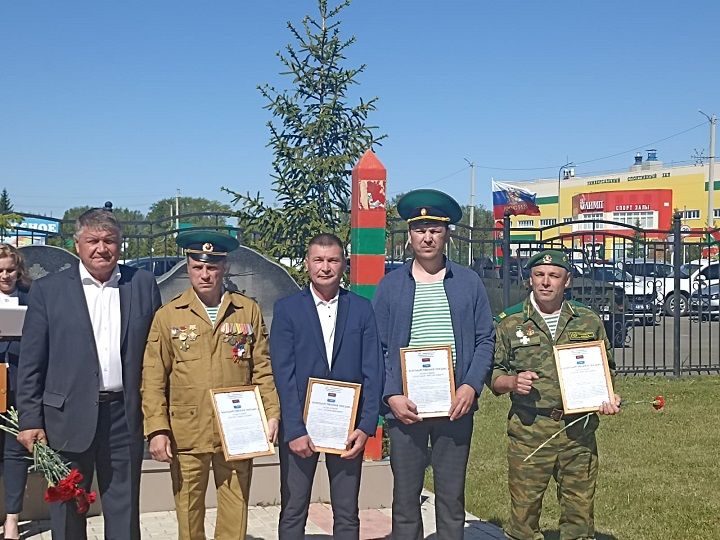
{"x": 6, "y": 206}
{"x": 316, "y": 136}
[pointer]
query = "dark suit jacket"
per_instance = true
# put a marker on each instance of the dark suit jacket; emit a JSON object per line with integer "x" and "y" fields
{"x": 10, "y": 346}
{"x": 58, "y": 377}
{"x": 297, "y": 352}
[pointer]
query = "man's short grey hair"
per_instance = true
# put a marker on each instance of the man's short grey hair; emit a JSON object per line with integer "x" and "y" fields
{"x": 97, "y": 219}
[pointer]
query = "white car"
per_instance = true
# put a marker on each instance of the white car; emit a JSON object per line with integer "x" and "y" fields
{"x": 693, "y": 277}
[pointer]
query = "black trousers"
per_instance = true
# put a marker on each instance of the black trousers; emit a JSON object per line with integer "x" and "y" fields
{"x": 15, "y": 469}
{"x": 117, "y": 459}
{"x": 410, "y": 455}
{"x": 296, "y": 479}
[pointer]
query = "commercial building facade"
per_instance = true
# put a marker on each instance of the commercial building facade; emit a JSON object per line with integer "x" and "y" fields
{"x": 645, "y": 196}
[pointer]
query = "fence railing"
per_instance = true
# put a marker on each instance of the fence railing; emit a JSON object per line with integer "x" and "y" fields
{"x": 657, "y": 291}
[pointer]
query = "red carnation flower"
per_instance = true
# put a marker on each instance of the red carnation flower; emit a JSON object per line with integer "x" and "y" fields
{"x": 83, "y": 499}
{"x": 658, "y": 403}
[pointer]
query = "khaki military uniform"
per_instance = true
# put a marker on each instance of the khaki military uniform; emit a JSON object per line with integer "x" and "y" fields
{"x": 186, "y": 356}
{"x": 523, "y": 343}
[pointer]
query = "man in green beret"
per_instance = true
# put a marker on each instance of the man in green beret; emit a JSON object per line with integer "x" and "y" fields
{"x": 205, "y": 338}
{"x": 525, "y": 366}
{"x": 432, "y": 302}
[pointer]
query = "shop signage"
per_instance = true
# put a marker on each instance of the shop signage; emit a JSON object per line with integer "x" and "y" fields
{"x": 604, "y": 181}
{"x": 591, "y": 205}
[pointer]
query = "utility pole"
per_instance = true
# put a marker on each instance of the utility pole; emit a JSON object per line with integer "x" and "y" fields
{"x": 711, "y": 170}
{"x": 177, "y": 210}
{"x": 568, "y": 174}
{"x": 472, "y": 210}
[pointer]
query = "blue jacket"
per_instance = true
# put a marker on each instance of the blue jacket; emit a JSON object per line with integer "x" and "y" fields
{"x": 297, "y": 352}
{"x": 471, "y": 317}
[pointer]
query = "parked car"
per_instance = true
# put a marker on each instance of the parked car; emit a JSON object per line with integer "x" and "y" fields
{"x": 518, "y": 272}
{"x": 608, "y": 301}
{"x": 157, "y": 265}
{"x": 705, "y": 302}
{"x": 699, "y": 275}
{"x": 392, "y": 265}
{"x": 641, "y": 293}
{"x": 646, "y": 268}
{"x": 485, "y": 268}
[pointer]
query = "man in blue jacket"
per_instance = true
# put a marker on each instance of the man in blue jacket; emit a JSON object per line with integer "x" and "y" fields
{"x": 326, "y": 332}
{"x": 431, "y": 302}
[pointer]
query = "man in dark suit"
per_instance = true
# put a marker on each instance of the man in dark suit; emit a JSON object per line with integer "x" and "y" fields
{"x": 326, "y": 332}
{"x": 79, "y": 378}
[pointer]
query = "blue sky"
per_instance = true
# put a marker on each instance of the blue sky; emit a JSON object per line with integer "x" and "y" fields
{"x": 130, "y": 101}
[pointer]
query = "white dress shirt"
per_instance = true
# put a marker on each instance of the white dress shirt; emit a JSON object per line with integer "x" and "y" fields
{"x": 103, "y": 302}
{"x": 327, "y": 313}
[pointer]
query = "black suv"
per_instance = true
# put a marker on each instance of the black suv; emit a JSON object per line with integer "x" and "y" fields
{"x": 157, "y": 265}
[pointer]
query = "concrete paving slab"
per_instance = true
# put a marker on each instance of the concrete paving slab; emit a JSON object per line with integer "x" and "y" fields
{"x": 262, "y": 524}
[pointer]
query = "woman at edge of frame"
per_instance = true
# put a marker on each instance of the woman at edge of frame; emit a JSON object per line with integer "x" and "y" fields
{"x": 14, "y": 282}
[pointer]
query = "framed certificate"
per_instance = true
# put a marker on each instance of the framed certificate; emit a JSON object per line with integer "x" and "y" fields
{"x": 243, "y": 425}
{"x": 429, "y": 379}
{"x": 330, "y": 411}
{"x": 584, "y": 376}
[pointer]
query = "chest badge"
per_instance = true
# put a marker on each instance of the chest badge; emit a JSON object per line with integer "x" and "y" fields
{"x": 184, "y": 334}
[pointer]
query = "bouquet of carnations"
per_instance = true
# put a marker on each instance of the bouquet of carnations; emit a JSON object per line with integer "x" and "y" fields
{"x": 63, "y": 482}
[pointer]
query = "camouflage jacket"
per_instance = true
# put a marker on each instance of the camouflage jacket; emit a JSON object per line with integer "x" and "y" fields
{"x": 523, "y": 343}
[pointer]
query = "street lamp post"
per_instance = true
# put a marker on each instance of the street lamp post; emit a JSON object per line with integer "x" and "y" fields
{"x": 568, "y": 174}
{"x": 711, "y": 170}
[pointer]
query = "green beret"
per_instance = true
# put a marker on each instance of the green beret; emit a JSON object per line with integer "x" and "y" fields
{"x": 549, "y": 256}
{"x": 429, "y": 205}
{"x": 206, "y": 246}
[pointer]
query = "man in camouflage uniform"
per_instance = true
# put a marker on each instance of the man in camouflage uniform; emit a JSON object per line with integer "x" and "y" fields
{"x": 525, "y": 366}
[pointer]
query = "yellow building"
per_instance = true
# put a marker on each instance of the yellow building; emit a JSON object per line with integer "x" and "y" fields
{"x": 646, "y": 194}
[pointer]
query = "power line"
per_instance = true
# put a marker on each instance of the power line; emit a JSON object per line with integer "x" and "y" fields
{"x": 554, "y": 167}
{"x": 642, "y": 146}
{"x": 438, "y": 180}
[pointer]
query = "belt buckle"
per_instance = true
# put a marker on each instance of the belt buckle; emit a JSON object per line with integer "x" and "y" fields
{"x": 557, "y": 414}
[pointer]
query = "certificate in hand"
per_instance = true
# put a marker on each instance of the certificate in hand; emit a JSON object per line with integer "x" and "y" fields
{"x": 429, "y": 379}
{"x": 330, "y": 411}
{"x": 243, "y": 425}
{"x": 584, "y": 376}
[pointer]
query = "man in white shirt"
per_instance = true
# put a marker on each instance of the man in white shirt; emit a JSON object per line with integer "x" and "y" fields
{"x": 326, "y": 332}
{"x": 79, "y": 379}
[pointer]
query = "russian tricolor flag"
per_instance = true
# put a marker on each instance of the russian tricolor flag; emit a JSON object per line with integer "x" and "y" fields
{"x": 518, "y": 200}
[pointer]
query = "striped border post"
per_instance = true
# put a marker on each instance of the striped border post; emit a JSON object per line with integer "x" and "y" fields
{"x": 367, "y": 221}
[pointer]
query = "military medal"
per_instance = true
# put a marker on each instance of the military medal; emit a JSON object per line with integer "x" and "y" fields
{"x": 237, "y": 335}
{"x": 184, "y": 334}
{"x": 192, "y": 332}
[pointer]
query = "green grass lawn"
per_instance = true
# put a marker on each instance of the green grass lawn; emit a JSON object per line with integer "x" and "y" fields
{"x": 659, "y": 475}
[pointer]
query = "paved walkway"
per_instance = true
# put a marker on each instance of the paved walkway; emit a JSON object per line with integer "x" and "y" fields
{"x": 262, "y": 524}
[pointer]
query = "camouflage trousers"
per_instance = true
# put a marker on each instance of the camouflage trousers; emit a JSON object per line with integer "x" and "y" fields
{"x": 571, "y": 459}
